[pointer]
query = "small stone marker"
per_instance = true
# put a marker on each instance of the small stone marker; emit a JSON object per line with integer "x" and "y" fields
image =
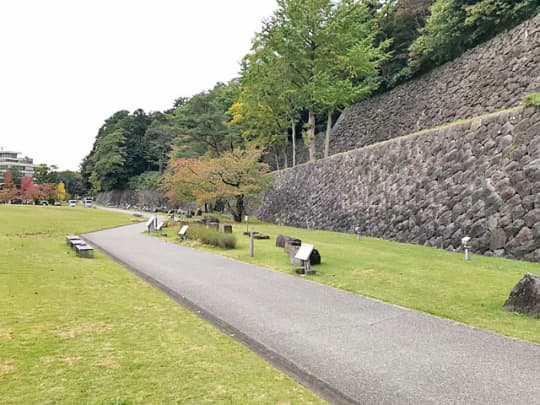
{"x": 226, "y": 228}
{"x": 525, "y": 296}
{"x": 213, "y": 225}
{"x": 151, "y": 225}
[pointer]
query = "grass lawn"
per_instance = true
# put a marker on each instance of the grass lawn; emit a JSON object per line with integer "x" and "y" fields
{"x": 428, "y": 279}
{"x": 87, "y": 331}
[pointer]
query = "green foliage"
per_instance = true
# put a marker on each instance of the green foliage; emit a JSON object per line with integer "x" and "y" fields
{"x": 211, "y": 237}
{"x": 144, "y": 181}
{"x": 110, "y": 160}
{"x": 400, "y": 21}
{"x": 457, "y": 25}
{"x": 532, "y": 100}
{"x": 201, "y": 123}
{"x": 118, "y": 152}
{"x": 73, "y": 182}
{"x": 45, "y": 174}
{"x": 16, "y": 175}
{"x": 442, "y": 38}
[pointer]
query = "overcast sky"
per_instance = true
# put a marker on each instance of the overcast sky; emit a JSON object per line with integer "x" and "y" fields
{"x": 66, "y": 66}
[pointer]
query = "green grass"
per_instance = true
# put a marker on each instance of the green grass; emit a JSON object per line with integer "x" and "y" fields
{"x": 428, "y": 279}
{"x": 532, "y": 100}
{"x": 87, "y": 331}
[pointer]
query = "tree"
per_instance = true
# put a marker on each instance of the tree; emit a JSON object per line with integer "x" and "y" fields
{"x": 16, "y": 175}
{"x": 202, "y": 123}
{"x": 229, "y": 177}
{"x": 158, "y": 140}
{"x": 348, "y": 66}
{"x": 400, "y": 21}
{"x": 45, "y": 174}
{"x": 47, "y": 191}
{"x": 29, "y": 190}
{"x": 457, "y": 25}
{"x": 9, "y": 189}
{"x": 61, "y": 191}
{"x": 73, "y": 182}
{"x": 326, "y": 52}
{"x": 110, "y": 158}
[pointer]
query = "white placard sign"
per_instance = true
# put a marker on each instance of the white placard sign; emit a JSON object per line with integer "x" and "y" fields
{"x": 183, "y": 230}
{"x": 304, "y": 252}
{"x": 150, "y": 222}
{"x": 159, "y": 226}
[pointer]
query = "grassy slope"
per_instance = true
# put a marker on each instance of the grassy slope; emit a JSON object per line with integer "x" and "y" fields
{"x": 428, "y": 279}
{"x": 87, "y": 331}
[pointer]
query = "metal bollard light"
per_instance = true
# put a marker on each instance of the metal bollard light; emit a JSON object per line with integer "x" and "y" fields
{"x": 358, "y": 234}
{"x": 467, "y": 246}
{"x": 251, "y": 244}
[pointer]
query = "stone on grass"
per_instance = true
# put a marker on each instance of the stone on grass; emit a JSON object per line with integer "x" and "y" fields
{"x": 315, "y": 257}
{"x": 525, "y": 296}
{"x": 280, "y": 240}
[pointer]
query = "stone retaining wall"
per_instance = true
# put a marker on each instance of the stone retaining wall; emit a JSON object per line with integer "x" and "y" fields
{"x": 479, "y": 178}
{"x": 141, "y": 199}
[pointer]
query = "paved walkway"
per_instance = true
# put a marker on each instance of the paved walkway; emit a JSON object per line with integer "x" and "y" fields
{"x": 349, "y": 346}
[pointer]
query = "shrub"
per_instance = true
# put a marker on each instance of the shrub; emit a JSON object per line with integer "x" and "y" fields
{"x": 211, "y": 237}
{"x": 532, "y": 100}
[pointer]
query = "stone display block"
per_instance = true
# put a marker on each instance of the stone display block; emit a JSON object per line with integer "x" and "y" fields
{"x": 70, "y": 238}
{"x": 280, "y": 240}
{"x": 525, "y": 296}
{"x": 226, "y": 228}
{"x": 213, "y": 225}
{"x": 315, "y": 257}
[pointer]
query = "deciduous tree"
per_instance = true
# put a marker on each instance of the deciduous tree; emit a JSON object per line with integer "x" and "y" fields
{"x": 229, "y": 177}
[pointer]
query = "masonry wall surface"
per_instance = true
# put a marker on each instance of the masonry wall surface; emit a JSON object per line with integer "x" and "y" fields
{"x": 479, "y": 178}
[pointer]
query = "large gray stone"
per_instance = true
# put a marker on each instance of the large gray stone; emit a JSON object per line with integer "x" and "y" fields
{"x": 525, "y": 296}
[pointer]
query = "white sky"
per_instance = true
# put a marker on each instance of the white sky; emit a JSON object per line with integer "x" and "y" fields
{"x": 67, "y": 65}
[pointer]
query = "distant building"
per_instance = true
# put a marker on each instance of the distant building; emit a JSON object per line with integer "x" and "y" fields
{"x": 9, "y": 159}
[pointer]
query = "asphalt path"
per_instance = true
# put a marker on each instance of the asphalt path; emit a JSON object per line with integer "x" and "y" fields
{"x": 346, "y": 347}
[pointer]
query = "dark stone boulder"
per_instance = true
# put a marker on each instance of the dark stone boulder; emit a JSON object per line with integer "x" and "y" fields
{"x": 315, "y": 257}
{"x": 525, "y": 296}
{"x": 280, "y": 240}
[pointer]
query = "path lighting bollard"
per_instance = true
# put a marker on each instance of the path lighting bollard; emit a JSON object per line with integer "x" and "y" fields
{"x": 467, "y": 246}
{"x": 247, "y": 223}
{"x": 357, "y": 230}
{"x": 251, "y": 244}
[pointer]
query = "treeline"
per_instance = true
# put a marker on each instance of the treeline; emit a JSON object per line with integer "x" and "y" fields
{"x": 46, "y": 184}
{"x": 311, "y": 59}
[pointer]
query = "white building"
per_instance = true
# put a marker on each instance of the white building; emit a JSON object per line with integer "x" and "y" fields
{"x": 9, "y": 159}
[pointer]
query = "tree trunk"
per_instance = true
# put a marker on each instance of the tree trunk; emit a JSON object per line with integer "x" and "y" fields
{"x": 276, "y": 157}
{"x": 239, "y": 208}
{"x": 293, "y": 127}
{"x": 285, "y": 157}
{"x": 327, "y": 134}
{"x": 311, "y": 136}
